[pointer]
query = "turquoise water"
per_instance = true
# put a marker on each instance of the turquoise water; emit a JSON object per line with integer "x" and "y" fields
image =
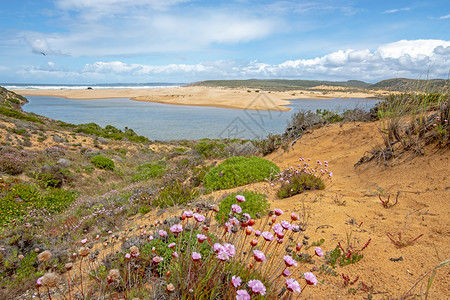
{"x": 173, "y": 122}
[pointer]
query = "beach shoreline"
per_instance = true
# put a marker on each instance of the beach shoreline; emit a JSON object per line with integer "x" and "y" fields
{"x": 238, "y": 98}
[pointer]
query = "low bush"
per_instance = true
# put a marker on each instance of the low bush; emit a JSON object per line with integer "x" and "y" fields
{"x": 12, "y": 113}
{"x": 102, "y": 162}
{"x": 13, "y": 162}
{"x": 237, "y": 171}
{"x": 147, "y": 171}
{"x": 175, "y": 193}
{"x": 210, "y": 149}
{"x": 254, "y": 204}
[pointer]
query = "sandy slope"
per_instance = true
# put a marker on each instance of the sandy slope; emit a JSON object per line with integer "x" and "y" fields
{"x": 422, "y": 209}
{"x": 202, "y": 96}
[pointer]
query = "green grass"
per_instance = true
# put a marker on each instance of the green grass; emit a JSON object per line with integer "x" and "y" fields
{"x": 255, "y": 203}
{"x": 299, "y": 183}
{"x": 147, "y": 171}
{"x": 238, "y": 171}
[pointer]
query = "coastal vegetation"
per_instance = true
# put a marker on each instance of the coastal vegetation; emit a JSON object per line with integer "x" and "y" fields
{"x": 100, "y": 213}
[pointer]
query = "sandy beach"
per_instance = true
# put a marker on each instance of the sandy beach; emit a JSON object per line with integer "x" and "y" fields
{"x": 204, "y": 96}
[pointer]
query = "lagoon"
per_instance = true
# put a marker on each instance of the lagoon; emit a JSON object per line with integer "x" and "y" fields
{"x": 179, "y": 122}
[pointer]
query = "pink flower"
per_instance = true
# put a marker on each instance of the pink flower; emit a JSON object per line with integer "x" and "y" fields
{"x": 236, "y": 209}
{"x": 240, "y": 198}
{"x": 222, "y": 256}
{"x": 310, "y": 278}
{"x": 201, "y": 238}
{"x": 293, "y": 285}
{"x": 259, "y": 255}
{"x": 171, "y": 245}
{"x": 247, "y": 216}
{"x": 318, "y": 251}
{"x": 128, "y": 256}
{"x": 39, "y": 281}
{"x": 295, "y": 228}
{"x": 83, "y": 241}
{"x": 196, "y": 256}
{"x": 177, "y": 228}
{"x": 294, "y": 217}
{"x": 285, "y": 224}
{"x": 188, "y": 214}
{"x": 278, "y": 211}
{"x": 257, "y": 233}
{"x": 286, "y": 273}
{"x": 267, "y": 236}
{"x": 236, "y": 281}
{"x": 157, "y": 259}
{"x": 257, "y": 287}
{"x": 162, "y": 233}
{"x": 242, "y": 295}
{"x": 229, "y": 249}
{"x": 289, "y": 261}
{"x": 199, "y": 217}
{"x": 280, "y": 240}
{"x": 278, "y": 229}
{"x": 218, "y": 247}
{"x": 175, "y": 255}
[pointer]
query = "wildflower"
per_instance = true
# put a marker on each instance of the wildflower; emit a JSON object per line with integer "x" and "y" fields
{"x": 134, "y": 251}
{"x": 240, "y": 198}
{"x": 110, "y": 232}
{"x": 84, "y": 251}
{"x": 39, "y": 281}
{"x": 242, "y": 295}
{"x": 295, "y": 228}
{"x": 175, "y": 255}
{"x": 201, "y": 238}
{"x": 247, "y": 216}
{"x": 20, "y": 256}
{"x": 236, "y": 209}
{"x": 128, "y": 256}
{"x": 236, "y": 281}
{"x": 310, "y": 278}
{"x": 278, "y": 229}
{"x": 177, "y": 228}
{"x": 229, "y": 249}
{"x": 83, "y": 241}
{"x": 157, "y": 259}
{"x": 196, "y": 256}
{"x": 218, "y": 247}
{"x": 289, "y": 261}
{"x": 69, "y": 266}
{"x": 278, "y": 211}
{"x": 50, "y": 280}
{"x": 162, "y": 233}
{"x": 294, "y": 217}
{"x": 257, "y": 233}
{"x": 254, "y": 243}
{"x": 234, "y": 221}
{"x": 150, "y": 238}
{"x": 285, "y": 224}
{"x": 267, "y": 236}
{"x": 280, "y": 240}
{"x": 286, "y": 272}
{"x": 222, "y": 256}
{"x": 257, "y": 287}
{"x": 293, "y": 285}
{"x": 259, "y": 255}
{"x": 114, "y": 274}
{"x": 44, "y": 256}
{"x": 188, "y": 214}
{"x": 215, "y": 208}
{"x": 199, "y": 217}
{"x": 318, "y": 251}
{"x": 97, "y": 237}
{"x": 171, "y": 245}
{"x": 298, "y": 247}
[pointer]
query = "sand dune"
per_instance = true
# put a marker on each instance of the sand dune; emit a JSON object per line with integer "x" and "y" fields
{"x": 202, "y": 96}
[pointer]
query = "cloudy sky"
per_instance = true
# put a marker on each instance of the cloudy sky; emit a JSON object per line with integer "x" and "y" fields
{"x": 99, "y": 41}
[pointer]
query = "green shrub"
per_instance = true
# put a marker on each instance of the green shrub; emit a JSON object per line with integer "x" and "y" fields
{"x": 102, "y": 162}
{"x": 48, "y": 180}
{"x": 144, "y": 209}
{"x": 18, "y": 115}
{"x": 237, "y": 171}
{"x": 175, "y": 193}
{"x": 255, "y": 203}
{"x": 210, "y": 149}
{"x": 147, "y": 171}
{"x": 109, "y": 132}
{"x": 298, "y": 183}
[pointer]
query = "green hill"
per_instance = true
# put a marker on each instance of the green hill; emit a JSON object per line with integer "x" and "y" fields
{"x": 408, "y": 85}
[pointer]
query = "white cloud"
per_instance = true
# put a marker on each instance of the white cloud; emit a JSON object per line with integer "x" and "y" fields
{"x": 412, "y": 59}
{"x": 445, "y": 17}
{"x": 395, "y": 10}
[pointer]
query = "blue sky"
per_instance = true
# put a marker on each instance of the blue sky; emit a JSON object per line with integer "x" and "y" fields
{"x": 98, "y": 41}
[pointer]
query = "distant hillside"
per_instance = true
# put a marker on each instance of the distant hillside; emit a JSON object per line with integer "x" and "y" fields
{"x": 279, "y": 84}
{"x": 408, "y": 85}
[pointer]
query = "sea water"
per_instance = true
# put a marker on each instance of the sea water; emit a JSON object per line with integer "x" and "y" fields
{"x": 174, "y": 122}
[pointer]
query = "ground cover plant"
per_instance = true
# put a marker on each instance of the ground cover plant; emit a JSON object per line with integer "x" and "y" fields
{"x": 237, "y": 171}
